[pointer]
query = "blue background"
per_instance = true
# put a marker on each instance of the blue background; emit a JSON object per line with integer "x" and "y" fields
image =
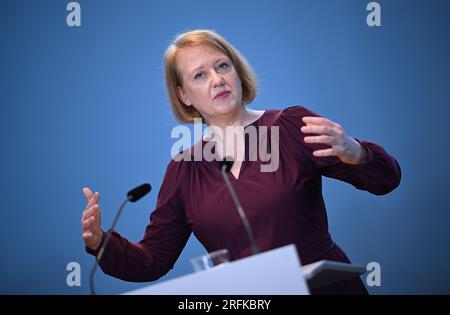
{"x": 87, "y": 106}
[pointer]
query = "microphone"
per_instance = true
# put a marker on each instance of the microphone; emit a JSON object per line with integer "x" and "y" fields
{"x": 133, "y": 195}
{"x": 137, "y": 193}
{"x": 225, "y": 167}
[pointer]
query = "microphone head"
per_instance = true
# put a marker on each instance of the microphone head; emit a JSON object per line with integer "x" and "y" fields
{"x": 226, "y": 163}
{"x": 138, "y": 192}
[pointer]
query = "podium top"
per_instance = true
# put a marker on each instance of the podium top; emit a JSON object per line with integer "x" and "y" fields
{"x": 326, "y": 272}
{"x": 274, "y": 272}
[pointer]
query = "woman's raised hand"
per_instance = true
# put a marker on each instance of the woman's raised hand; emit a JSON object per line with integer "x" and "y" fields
{"x": 91, "y": 220}
{"x": 346, "y": 148}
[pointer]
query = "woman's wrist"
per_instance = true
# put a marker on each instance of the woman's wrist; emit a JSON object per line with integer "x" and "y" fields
{"x": 98, "y": 241}
{"x": 362, "y": 155}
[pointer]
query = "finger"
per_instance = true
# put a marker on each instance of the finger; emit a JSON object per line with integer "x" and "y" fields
{"x": 318, "y": 121}
{"x": 93, "y": 200}
{"x": 322, "y": 130}
{"x": 320, "y": 139}
{"x": 324, "y": 153}
{"x": 97, "y": 215}
{"x": 91, "y": 211}
{"x": 87, "y": 235}
{"x": 87, "y": 224}
{"x": 87, "y": 193}
{"x": 94, "y": 210}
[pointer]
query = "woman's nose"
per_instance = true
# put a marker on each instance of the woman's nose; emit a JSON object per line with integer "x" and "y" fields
{"x": 216, "y": 80}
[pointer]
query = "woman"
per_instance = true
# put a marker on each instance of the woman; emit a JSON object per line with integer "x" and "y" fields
{"x": 207, "y": 78}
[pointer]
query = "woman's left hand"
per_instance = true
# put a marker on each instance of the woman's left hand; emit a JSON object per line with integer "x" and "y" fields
{"x": 347, "y": 149}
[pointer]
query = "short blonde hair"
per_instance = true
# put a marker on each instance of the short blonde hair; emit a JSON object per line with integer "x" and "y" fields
{"x": 174, "y": 79}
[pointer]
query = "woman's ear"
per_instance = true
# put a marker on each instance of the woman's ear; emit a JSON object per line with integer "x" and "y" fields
{"x": 183, "y": 96}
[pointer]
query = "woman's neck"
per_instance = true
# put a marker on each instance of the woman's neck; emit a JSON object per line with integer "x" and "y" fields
{"x": 244, "y": 118}
{"x": 235, "y": 119}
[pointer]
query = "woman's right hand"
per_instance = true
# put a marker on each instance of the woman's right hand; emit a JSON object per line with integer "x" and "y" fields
{"x": 90, "y": 220}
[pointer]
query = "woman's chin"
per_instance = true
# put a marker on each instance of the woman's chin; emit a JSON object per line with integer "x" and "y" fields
{"x": 225, "y": 107}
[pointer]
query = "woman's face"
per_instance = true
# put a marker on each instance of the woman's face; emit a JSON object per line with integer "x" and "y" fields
{"x": 210, "y": 82}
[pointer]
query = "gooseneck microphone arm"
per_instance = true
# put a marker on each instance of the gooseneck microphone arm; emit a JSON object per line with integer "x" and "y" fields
{"x": 102, "y": 248}
{"x": 225, "y": 168}
{"x": 133, "y": 196}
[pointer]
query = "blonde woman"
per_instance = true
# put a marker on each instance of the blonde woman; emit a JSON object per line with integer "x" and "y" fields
{"x": 208, "y": 79}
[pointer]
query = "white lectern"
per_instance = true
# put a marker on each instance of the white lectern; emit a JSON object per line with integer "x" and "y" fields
{"x": 275, "y": 272}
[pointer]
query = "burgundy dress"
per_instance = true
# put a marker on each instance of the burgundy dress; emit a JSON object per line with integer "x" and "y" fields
{"x": 283, "y": 207}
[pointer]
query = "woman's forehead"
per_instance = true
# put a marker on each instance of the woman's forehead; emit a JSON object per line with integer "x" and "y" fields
{"x": 194, "y": 56}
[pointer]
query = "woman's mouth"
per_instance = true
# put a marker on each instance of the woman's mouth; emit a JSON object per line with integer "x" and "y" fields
{"x": 222, "y": 95}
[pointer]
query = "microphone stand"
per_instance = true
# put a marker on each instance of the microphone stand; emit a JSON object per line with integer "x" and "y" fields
{"x": 103, "y": 246}
{"x": 226, "y": 168}
{"x": 133, "y": 195}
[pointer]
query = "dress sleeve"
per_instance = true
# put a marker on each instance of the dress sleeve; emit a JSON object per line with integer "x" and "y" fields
{"x": 164, "y": 238}
{"x": 379, "y": 174}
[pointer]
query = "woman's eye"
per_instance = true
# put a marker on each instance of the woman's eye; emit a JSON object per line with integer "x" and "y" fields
{"x": 199, "y": 75}
{"x": 223, "y": 65}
